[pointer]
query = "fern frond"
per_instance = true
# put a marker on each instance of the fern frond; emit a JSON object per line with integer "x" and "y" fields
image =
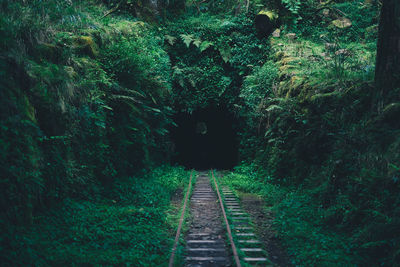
{"x": 170, "y": 39}
{"x": 225, "y": 53}
{"x": 204, "y": 45}
{"x": 187, "y": 39}
{"x": 197, "y": 43}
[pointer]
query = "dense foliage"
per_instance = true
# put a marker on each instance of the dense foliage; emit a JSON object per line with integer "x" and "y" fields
{"x": 210, "y": 56}
{"x": 329, "y": 130}
{"x": 84, "y": 103}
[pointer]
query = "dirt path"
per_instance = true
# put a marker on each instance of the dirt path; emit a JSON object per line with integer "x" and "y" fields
{"x": 205, "y": 239}
{"x": 263, "y": 219}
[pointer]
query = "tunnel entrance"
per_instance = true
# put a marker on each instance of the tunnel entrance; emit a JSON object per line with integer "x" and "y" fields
{"x": 205, "y": 139}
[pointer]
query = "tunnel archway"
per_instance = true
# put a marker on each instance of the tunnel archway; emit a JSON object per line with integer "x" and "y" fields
{"x": 205, "y": 139}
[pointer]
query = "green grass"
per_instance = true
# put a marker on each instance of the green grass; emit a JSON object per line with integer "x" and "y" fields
{"x": 135, "y": 227}
{"x": 299, "y": 221}
{"x": 180, "y": 250}
{"x": 221, "y": 182}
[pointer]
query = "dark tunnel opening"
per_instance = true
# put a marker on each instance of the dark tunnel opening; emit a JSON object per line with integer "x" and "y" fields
{"x": 205, "y": 139}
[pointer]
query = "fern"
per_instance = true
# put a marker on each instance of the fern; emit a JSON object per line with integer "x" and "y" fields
{"x": 273, "y": 108}
{"x": 187, "y": 39}
{"x": 197, "y": 43}
{"x": 292, "y": 5}
{"x": 170, "y": 39}
{"x": 225, "y": 53}
{"x": 204, "y": 45}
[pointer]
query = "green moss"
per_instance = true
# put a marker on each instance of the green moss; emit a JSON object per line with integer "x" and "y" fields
{"x": 85, "y": 45}
{"x": 326, "y": 97}
{"x": 288, "y": 61}
{"x": 272, "y": 15}
{"x": 279, "y": 55}
{"x": 29, "y": 109}
{"x": 128, "y": 28}
{"x": 286, "y": 68}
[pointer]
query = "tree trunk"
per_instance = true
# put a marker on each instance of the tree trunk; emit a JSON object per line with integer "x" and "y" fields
{"x": 387, "y": 72}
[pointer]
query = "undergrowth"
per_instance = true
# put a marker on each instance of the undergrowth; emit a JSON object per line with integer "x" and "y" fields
{"x": 298, "y": 220}
{"x": 134, "y": 225}
{"x": 84, "y": 101}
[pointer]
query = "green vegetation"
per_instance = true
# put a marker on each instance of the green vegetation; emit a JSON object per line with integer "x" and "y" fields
{"x": 209, "y": 56}
{"x": 300, "y": 222}
{"x": 85, "y": 105}
{"x": 134, "y": 225}
{"x": 88, "y": 94}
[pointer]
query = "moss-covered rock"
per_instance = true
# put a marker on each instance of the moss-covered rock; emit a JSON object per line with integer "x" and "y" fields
{"x": 324, "y": 97}
{"x": 279, "y": 55}
{"x": 85, "y": 45}
{"x": 128, "y": 28}
{"x": 285, "y": 68}
{"x": 289, "y": 60}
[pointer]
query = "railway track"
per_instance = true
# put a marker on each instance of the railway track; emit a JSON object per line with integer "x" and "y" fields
{"x": 220, "y": 233}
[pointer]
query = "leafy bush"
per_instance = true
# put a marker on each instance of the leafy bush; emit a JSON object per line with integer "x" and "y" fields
{"x": 259, "y": 84}
{"x": 85, "y": 100}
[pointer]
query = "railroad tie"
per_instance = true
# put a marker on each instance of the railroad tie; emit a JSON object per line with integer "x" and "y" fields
{"x": 205, "y": 240}
{"x": 246, "y": 239}
{"x": 206, "y": 243}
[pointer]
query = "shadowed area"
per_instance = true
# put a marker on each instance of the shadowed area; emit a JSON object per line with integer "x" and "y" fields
{"x": 205, "y": 139}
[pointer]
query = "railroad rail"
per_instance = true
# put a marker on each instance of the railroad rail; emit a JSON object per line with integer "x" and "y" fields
{"x": 208, "y": 241}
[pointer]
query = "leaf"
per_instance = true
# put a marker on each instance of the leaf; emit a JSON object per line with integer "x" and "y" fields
{"x": 187, "y": 39}
{"x": 177, "y": 70}
{"x": 107, "y": 107}
{"x": 136, "y": 93}
{"x": 197, "y": 43}
{"x": 273, "y": 107}
{"x": 170, "y": 39}
{"x": 342, "y": 23}
{"x": 153, "y": 99}
{"x": 225, "y": 53}
{"x": 204, "y": 45}
{"x": 128, "y": 100}
{"x": 226, "y": 80}
{"x": 125, "y": 98}
{"x": 156, "y": 110}
{"x": 394, "y": 167}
